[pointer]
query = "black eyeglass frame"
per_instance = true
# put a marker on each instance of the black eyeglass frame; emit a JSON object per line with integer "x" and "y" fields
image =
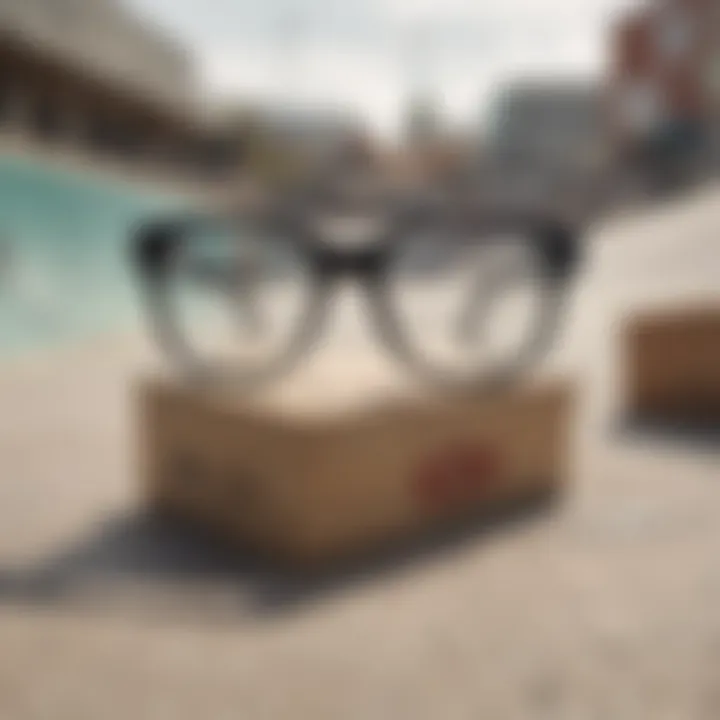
{"x": 553, "y": 244}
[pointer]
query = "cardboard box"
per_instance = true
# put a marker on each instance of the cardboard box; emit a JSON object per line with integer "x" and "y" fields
{"x": 310, "y": 484}
{"x": 672, "y": 364}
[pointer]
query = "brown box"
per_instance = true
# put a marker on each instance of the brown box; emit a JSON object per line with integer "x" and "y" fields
{"x": 672, "y": 364}
{"x": 310, "y": 484}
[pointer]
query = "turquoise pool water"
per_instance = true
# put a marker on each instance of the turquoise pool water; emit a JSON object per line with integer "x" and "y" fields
{"x": 63, "y": 254}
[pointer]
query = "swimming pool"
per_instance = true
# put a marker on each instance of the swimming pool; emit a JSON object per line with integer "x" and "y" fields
{"x": 63, "y": 241}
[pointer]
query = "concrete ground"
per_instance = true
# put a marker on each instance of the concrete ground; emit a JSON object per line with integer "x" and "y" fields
{"x": 605, "y": 608}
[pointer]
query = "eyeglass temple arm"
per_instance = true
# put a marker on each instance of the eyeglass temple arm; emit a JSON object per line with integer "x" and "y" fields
{"x": 558, "y": 249}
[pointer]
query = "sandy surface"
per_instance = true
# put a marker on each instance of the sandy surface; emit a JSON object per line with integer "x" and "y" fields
{"x": 606, "y": 608}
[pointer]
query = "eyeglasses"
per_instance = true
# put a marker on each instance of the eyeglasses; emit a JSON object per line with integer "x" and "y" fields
{"x": 457, "y": 297}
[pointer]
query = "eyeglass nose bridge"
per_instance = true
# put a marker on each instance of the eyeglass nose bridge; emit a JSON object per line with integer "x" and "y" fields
{"x": 362, "y": 264}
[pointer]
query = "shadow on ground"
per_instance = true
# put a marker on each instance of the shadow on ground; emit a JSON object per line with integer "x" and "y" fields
{"x": 694, "y": 435}
{"x": 146, "y": 566}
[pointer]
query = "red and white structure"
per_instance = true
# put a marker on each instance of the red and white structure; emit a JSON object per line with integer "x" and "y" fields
{"x": 666, "y": 67}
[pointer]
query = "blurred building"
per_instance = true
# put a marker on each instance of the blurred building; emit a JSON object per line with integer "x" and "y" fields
{"x": 665, "y": 75}
{"x": 431, "y": 151}
{"x": 546, "y": 145}
{"x": 318, "y": 135}
{"x": 423, "y": 125}
{"x": 284, "y": 141}
{"x": 92, "y": 76}
{"x": 548, "y": 121}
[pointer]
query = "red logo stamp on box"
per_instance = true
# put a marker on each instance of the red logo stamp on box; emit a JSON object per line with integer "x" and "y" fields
{"x": 456, "y": 475}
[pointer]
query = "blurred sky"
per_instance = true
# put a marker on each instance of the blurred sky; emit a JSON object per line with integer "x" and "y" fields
{"x": 366, "y": 54}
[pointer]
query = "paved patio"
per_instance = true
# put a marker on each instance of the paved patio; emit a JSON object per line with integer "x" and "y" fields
{"x": 606, "y": 607}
